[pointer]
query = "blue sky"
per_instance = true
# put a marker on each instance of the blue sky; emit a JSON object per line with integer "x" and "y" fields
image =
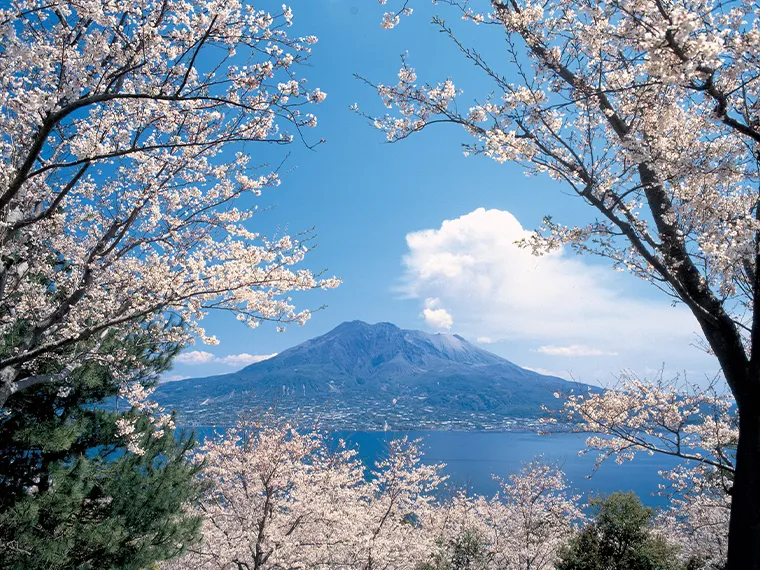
{"x": 566, "y": 315}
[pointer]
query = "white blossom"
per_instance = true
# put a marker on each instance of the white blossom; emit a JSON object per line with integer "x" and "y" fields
{"x": 122, "y": 170}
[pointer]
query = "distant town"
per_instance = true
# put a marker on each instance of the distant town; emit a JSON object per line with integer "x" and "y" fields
{"x": 404, "y": 415}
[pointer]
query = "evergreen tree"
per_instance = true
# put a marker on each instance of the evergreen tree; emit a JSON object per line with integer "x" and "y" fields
{"x": 619, "y": 538}
{"x": 72, "y": 496}
{"x": 468, "y": 551}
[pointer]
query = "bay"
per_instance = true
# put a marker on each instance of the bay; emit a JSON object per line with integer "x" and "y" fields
{"x": 473, "y": 458}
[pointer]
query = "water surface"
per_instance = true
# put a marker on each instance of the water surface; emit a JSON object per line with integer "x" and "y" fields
{"x": 473, "y": 458}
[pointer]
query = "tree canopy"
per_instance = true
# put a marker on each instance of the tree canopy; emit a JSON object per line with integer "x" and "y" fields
{"x": 126, "y": 142}
{"x": 648, "y": 112}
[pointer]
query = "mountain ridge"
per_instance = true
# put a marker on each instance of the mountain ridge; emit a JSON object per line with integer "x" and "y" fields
{"x": 373, "y": 376}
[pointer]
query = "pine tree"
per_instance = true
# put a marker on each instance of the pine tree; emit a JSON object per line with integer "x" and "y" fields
{"x": 72, "y": 496}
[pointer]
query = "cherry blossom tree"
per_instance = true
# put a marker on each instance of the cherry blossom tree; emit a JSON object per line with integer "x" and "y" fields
{"x": 697, "y": 424}
{"x": 697, "y": 518}
{"x": 276, "y": 499}
{"x": 127, "y": 140}
{"x": 523, "y": 527}
{"x": 280, "y": 498}
{"x": 396, "y": 508}
{"x": 543, "y": 515}
{"x": 648, "y": 112}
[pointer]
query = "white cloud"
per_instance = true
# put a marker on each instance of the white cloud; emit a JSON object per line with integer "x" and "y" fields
{"x": 496, "y": 290}
{"x": 436, "y": 316}
{"x": 485, "y": 340}
{"x": 173, "y": 378}
{"x": 197, "y": 357}
{"x": 574, "y": 350}
{"x": 244, "y": 359}
{"x": 564, "y": 374}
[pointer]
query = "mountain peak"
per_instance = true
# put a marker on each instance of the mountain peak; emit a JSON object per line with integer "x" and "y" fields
{"x": 360, "y": 375}
{"x": 355, "y": 325}
{"x": 359, "y": 348}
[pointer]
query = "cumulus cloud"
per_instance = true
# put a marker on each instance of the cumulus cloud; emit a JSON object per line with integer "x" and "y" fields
{"x": 560, "y": 302}
{"x": 435, "y": 315}
{"x": 485, "y": 340}
{"x": 197, "y": 357}
{"x": 574, "y": 350}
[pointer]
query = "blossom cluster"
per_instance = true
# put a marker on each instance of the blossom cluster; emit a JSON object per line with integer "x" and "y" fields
{"x": 280, "y": 497}
{"x": 392, "y": 19}
{"x": 696, "y": 424}
{"x": 127, "y": 182}
{"x": 647, "y": 110}
{"x": 141, "y": 406}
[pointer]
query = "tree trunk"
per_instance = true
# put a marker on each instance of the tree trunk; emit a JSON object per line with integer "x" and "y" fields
{"x": 744, "y": 526}
{"x": 5, "y": 390}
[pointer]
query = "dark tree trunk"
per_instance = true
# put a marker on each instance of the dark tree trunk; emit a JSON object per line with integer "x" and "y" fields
{"x": 5, "y": 393}
{"x": 744, "y": 527}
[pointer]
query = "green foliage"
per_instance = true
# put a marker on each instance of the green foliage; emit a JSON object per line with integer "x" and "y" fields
{"x": 619, "y": 538}
{"x": 468, "y": 551}
{"x": 71, "y": 496}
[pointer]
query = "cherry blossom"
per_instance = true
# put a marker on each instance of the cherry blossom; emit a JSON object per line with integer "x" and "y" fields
{"x": 280, "y": 497}
{"x": 128, "y": 135}
{"x": 673, "y": 418}
{"x": 521, "y": 527}
{"x": 392, "y": 19}
{"x": 648, "y": 112}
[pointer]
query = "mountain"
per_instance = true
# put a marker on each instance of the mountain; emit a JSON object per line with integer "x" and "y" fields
{"x": 362, "y": 376}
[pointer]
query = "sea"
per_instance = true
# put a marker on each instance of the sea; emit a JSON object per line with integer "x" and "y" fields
{"x": 474, "y": 460}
